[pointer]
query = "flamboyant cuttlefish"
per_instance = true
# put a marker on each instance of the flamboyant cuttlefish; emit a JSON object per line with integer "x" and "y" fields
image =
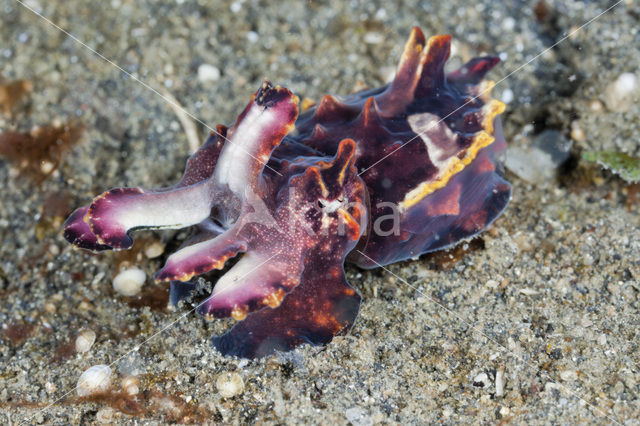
{"x": 373, "y": 178}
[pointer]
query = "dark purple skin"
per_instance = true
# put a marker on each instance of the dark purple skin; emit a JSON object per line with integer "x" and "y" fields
{"x": 299, "y": 195}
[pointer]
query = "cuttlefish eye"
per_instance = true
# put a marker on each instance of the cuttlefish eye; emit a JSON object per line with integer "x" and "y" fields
{"x": 330, "y": 206}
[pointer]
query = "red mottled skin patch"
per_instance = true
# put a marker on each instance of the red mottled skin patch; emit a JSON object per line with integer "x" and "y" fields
{"x": 293, "y": 195}
{"x": 448, "y": 203}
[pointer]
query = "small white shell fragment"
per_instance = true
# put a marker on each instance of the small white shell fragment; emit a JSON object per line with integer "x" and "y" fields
{"x": 500, "y": 382}
{"x": 602, "y": 339}
{"x": 492, "y": 283}
{"x": 577, "y": 134}
{"x": 131, "y": 385}
{"x": 46, "y": 167}
{"x": 527, "y": 291}
{"x": 50, "y": 388}
{"x": 129, "y": 282}
{"x": 586, "y": 322}
{"x": 154, "y": 250}
{"x": 595, "y": 105}
{"x": 95, "y": 379}
{"x": 85, "y": 340}
{"x": 229, "y": 385}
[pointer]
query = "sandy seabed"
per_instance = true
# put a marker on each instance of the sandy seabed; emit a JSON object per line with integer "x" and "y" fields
{"x": 536, "y": 321}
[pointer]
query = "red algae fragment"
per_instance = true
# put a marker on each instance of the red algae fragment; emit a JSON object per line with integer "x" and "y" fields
{"x": 39, "y": 152}
{"x": 17, "y": 332}
{"x": 156, "y": 297}
{"x": 445, "y": 260}
{"x": 55, "y": 208}
{"x": 12, "y": 93}
{"x": 542, "y": 11}
{"x": 154, "y": 404}
{"x": 633, "y": 196}
{"x": 63, "y": 352}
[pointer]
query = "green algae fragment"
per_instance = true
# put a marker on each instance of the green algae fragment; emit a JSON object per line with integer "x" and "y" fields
{"x": 627, "y": 167}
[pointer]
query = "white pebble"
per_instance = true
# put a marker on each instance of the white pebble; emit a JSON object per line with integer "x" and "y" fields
{"x": 46, "y": 167}
{"x": 620, "y": 95}
{"x": 373, "y": 37}
{"x": 509, "y": 23}
{"x": 50, "y": 388}
{"x": 95, "y": 379}
{"x": 577, "y": 134}
{"x": 229, "y": 385}
{"x": 507, "y": 96}
{"x": 538, "y": 161}
{"x": 85, "y": 340}
{"x": 129, "y": 282}
{"x": 626, "y": 83}
{"x": 481, "y": 380}
{"x": 595, "y": 105}
{"x": 235, "y": 7}
{"x": 252, "y": 37}
{"x": 532, "y": 165}
{"x": 154, "y": 249}
{"x": 207, "y": 72}
{"x": 131, "y": 385}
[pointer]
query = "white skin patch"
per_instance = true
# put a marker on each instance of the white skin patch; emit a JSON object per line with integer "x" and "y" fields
{"x": 158, "y": 210}
{"x": 441, "y": 144}
{"x": 213, "y": 245}
{"x": 234, "y": 166}
{"x": 253, "y": 276}
{"x": 239, "y": 274}
{"x": 431, "y": 130}
{"x": 330, "y": 206}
